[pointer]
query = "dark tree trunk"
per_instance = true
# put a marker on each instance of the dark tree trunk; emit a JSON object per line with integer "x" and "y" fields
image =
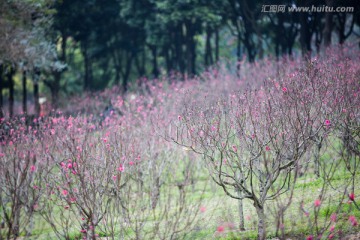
{"x": 140, "y": 63}
{"x": 11, "y": 91}
{"x": 36, "y": 92}
{"x": 305, "y": 35}
{"x": 155, "y": 70}
{"x": 55, "y": 88}
{"x": 178, "y": 42}
{"x": 24, "y": 93}
{"x": 88, "y": 68}
{"x": 191, "y": 46}
{"x": 36, "y": 99}
{"x": 208, "y": 50}
{"x": 55, "y": 91}
{"x": 127, "y": 71}
{"x": 291, "y": 39}
{"x": 217, "y": 45}
{"x": 343, "y": 35}
{"x": 168, "y": 60}
{"x": 238, "y": 55}
{"x": 328, "y": 24}
{"x": 1, "y": 88}
{"x": 192, "y": 54}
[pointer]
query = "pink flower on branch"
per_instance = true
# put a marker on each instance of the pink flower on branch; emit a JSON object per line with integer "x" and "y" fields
{"x": 333, "y": 217}
{"x": 352, "y": 196}
{"x": 353, "y": 221}
{"x": 317, "y": 203}
{"x": 120, "y": 168}
{"x": 220, "y": 229}
{"x": 311, "y": 237}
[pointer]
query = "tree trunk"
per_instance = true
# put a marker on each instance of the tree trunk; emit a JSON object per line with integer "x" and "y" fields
{"x": 217, "y": 45}
{"x": 238, "y": 55}
{"x": 1, "y": 88}
{"x": 36, "y": 99}
{"x": 241, "y": 211}
{"x": 127, "y": 71}
{"x": 305, "y": 36}
{"x": 55, "y": 90}
{"x": 208, "y": 50}
{"x": 154, "y": 61}
{"x": 167, "y": 60}
{"x": 328, "y": 24}
{"x": 87, "y": 66}
{"x": 11, "y": 91}
{"x": 261, "y": 222}
{"x": 178, "y": 43}
{"x": 24, "y": 102}
{"x": 193, "y": 54}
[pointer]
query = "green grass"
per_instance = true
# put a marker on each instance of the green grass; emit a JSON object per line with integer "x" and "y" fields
{"x": 221, "y": 209}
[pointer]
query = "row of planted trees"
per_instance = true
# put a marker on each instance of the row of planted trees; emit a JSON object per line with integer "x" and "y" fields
{"x": 121, "y": 176}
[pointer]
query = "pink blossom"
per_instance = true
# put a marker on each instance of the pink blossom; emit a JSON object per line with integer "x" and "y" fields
{"x": 317, "y": 203}
{"x": 234, "y": 148}
{"x": 65, "y": 192}
{"x": 114, "y": 177}
{"x": 353, "y": 221}
{"x": 284, "y": 89}
{"x": 202, "y": 209}
{"x": 69, "y": 165}
{"x": 331, "y": 236}
{"x": 220, "y": 229}
{"x": 267, "y": 148}
{"x": 83, "y": 231}
{"x": 332, "y": 228}
{"x": 32, "y": 168}
{"x": 352, "y": 196}
{"x": 310, "y": 237}
{"x": 179, "y": 117}
{"x": 333, "y": 217}
{"x": 327, "y": 122}
{"x": 121, "y": 168}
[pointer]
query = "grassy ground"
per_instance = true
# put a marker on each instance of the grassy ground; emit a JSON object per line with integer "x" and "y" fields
{"x": 220, "y": 210}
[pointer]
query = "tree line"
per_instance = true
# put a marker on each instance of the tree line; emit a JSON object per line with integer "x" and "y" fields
{"x": 73, "y": 46}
